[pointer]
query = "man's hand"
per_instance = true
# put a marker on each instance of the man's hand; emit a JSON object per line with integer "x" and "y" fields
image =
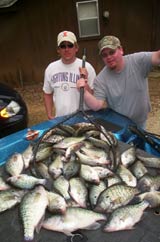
{"x": 83, "y": 72}
{"x": 50, "y": 117}
{"x": 81, "y": 83}
{"x": 84, "y": 83}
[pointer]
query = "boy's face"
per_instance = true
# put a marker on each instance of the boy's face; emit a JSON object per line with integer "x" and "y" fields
{"x": 67, "y": 51}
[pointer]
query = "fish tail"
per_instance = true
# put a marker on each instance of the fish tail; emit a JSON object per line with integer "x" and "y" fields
{"x": 136, "y": 199}
{"x": 28, "y": 239}
{"x": 48, "y": 184}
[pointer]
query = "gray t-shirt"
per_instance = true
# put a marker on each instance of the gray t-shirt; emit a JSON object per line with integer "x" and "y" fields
{"x": 127, "y": 92}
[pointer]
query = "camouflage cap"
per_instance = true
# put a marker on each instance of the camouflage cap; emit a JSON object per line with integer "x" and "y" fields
{"x": 110, "y": 42}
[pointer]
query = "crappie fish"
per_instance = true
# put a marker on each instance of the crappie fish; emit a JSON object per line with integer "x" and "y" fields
{"x": 153, "y": 198}
{"x": 99, "y": 143}
{"x": 149, "y": 183}
{"x": 14, "y": 165}
{"x": 44, "y": 151}
{"x": 114, "y": 197}
{"x": 128, "y": 156}
{"x": 71, "y": 168}
{"x": 78, "y": 191}
{"x": 95, "y": 191}
{"x": 65, "y": 143}
{"x": 27, "y": 155}
{"x": 89, "y": 174}
{"x": 43, "y": 170}
{"x": 153, "y": 162}
{"x": 72, "y": 203}
{"x": 56, "y": 167}
{"x": 54, "y": 138}
{"x": 92, "y": 160}
{"x": 25, "y": 181}
{"x": 32, "y": 210}
{"x": 88, "y": 144}
{"x": 126, "y": 175}
{"x": 74, "y": 219}
{"x": 72, "y": 149}
{"x": 56, "y": 203}
{"x": 68, "y": 129}
{"x": 60, "y": 131}
{"x": 82, "y": 128}
{"x": 124, "y": 218}
{"x": 93, "y": 133}
{"x": 10, "y": 198}
{"x": 61, "y": 185}
{"x": 114, "y": 179}
{"x": 103, "y": 172}
{"x": 94, "y": 152}
{"x": 139, "y": 169}
{"x": 54, "y": 131}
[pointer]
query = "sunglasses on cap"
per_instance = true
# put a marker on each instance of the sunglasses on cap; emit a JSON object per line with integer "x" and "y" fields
{"x": 65, "y": 46}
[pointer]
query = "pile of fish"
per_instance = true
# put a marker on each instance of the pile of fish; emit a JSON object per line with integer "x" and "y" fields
{"x": 79, "y": 177}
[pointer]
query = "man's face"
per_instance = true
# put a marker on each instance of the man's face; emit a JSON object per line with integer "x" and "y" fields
{"x": 112, "y": 57}
{"x": 67, "y": 51}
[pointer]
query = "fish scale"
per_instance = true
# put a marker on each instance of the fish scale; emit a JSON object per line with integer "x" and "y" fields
{"x": 72, "y": 220}
{"x": 32, "y": 209}
{"x": 15, "y": 164}
{"x": 125, "y": 217}
{"x": 78, "y": 191}
{"x": 65, "y": 143}
{"x": 114, "y": 197}
{"x": 10, "y": 198}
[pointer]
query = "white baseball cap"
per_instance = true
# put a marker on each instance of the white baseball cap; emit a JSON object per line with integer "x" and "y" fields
{"x": 66, "y": 36}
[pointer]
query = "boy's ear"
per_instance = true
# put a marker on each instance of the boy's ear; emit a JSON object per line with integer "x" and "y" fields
{"x": 122, "y": 52}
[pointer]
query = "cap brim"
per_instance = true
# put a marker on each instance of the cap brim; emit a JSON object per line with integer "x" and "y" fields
{"x": 109, "y": 47}
{"x": 66, "y": 39}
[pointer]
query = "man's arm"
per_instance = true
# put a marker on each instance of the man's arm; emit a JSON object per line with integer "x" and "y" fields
{"x": 48, "y": 101}
{"x": 156, "y": 58}
{"x": 91, "y": 101}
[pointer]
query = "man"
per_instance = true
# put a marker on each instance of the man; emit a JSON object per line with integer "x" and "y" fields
{"x": 60, "y": 90}
{"x": 122, "y": 84}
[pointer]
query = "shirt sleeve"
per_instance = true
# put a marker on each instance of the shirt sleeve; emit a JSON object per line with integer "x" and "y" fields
{"x": 100, "y": 87}
{"x": 91, "y": 74}
{"x": 143, "y": 60}
{"x": 46, "y": 85}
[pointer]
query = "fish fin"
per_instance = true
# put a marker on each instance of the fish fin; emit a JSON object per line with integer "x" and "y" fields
{"x": 48, "y": 184}
{"x": 68, "y": 233}
{"x": 28, "y": 239}
{"x": 136, "y": 199}
{"x": 130, "y": 228}
{"x": 34, "y": 171}
{"x": 39, "y": 225}
{"x": 93, "y": 226}
{"x": 151, "y": 202}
